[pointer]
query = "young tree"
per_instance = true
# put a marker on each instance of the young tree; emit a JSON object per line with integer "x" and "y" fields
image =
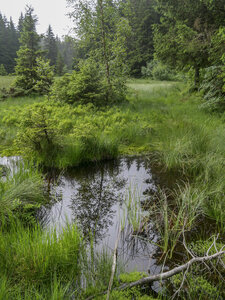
{"x": 102, "y": 31}
{"x": 44, "y": 76}
{"x": 28, "y": 53}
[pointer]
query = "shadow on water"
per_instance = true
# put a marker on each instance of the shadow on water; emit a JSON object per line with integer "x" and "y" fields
{"x": 95, "y": 196}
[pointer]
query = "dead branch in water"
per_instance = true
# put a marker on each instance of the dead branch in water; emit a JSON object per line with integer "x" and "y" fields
{"x": 172, "y": 272}
{"x": 168, "y": 274}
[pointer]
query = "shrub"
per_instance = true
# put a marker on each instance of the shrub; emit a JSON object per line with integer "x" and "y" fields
{"x": 158, "y": 71}
{"x": 44, "y": 74}
{"x": 3, "y": 71}
{"x": 213, "y": 89}
{"x": 37, "y": 132}
{"x": 81, "y": 86}
{"x": 88, "y": 85}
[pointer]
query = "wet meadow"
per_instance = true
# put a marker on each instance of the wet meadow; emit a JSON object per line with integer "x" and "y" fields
{"x": 73, "y": 176}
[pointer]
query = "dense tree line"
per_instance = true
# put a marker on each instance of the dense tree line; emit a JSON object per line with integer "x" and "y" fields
{"x": 60, "y": 52}
{"x": 121, "y": 38}
{"x": 9, "y": 44}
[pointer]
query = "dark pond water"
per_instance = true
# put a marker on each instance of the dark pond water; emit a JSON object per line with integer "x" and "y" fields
{"x": 102, "y": 198}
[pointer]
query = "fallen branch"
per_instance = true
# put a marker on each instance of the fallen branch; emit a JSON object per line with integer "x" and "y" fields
{"x": 170, "y": 273}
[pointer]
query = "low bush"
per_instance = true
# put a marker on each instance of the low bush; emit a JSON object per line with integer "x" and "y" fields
{"x": 213, "y": 89}
{"x": 157, "y": 71}
{"x": 88, "y": 85}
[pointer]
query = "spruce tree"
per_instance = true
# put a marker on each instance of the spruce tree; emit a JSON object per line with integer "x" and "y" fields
{"x": 20, "y": 23}
{"x": 28, "y": 53}
{"x": 9, "y": 43}
{"x": 12, "y": 46}
{"x": 50, "y": 46}
{"x": 3, "y": 40}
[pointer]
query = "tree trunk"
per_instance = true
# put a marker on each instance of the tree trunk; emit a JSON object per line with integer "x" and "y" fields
{"x": 104, "y": 42}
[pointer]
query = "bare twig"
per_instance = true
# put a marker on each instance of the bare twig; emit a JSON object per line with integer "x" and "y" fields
{"x": 172, "y": 272}
{"x": 168, "y": 274}
{"x": 113, "y": 266}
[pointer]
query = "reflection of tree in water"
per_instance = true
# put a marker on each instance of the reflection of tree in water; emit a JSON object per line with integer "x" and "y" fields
{"x": 93, "y": 202}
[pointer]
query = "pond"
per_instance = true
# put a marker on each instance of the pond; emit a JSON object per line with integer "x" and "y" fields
{"x": 101, "y": 198}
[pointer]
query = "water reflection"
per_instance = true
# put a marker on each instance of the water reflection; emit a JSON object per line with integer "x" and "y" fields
{"x": 94, "y": 201}
{"x": 94, "y": 196}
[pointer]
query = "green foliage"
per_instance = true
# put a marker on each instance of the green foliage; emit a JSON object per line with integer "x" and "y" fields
{"x": 9, "y": 44}
{"x": 50, "y": 46}
{"x": 183, "y": 39}
{"x": 197, "y": 287}
{"x": 21, "y": 193}
{"x": 60, "y": 66}
{"x": 103, "y": 31}
{"x": 87, "y": 85}
{"x": 37, "y": 260}
{"x": 61, "y": 135}
{"x": 34, "y": 75}
{"x": 130, "y": 294}
{"x": 157, "y": 71}
{"x": 37, "y": 133}
{"x": 84, "y": 86}
{"x": 3, "y": 71}
{"x": 27, "y": 54}
{"x": 141, "y": 15}
{"x": 131, "y": 277}
{"x": 44, "y": 75}
{"x": 213, "y": 89}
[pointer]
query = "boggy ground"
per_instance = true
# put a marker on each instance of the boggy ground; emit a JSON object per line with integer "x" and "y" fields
{"x": 160, "y": 120}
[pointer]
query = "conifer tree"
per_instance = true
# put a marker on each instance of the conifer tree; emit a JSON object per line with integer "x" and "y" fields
{"x": 28, "y": 53}
{"x": 20, "y": 23}
{"x": 3, "y": 40}
{"x": 50, "y": 46}
{"x": 12, "y": 46}
{"x": 9, "y": 43}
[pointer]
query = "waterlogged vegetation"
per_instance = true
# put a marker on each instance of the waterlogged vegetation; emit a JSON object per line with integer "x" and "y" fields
{"x": 184, "y": 146}
{"x": 106, "y": 183}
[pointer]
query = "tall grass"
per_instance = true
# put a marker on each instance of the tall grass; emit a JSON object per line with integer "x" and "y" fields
{"x": 188, "y": 146}
{"x": 41, "y": 261}
{"x": 37, "y": 264}
{"x": 21, "y": 191}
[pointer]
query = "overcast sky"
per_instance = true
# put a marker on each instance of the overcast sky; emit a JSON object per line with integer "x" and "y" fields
{"x": 51, "y": 12}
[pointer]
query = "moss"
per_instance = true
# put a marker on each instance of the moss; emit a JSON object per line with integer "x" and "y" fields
{"x": 131, "y": 277}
